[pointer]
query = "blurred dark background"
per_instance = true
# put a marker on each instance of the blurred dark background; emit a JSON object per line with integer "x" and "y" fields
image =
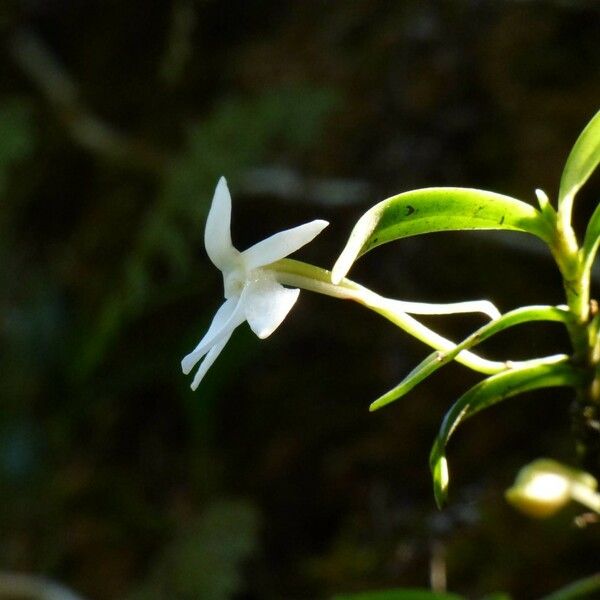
{"x": 273, "y": 480}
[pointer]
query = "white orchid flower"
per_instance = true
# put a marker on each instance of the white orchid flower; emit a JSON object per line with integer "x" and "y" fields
{"x": 252, "y": 293}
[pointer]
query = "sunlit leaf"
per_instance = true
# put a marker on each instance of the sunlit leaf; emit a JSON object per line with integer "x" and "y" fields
{"x": 583, "y": 159}
{"x": 547, "y": 209}
{"x": 436, "y": 360}
{"x": 492, "y": 390}
{"x": 591, "y": 240}
{"x": 438, "y": 209}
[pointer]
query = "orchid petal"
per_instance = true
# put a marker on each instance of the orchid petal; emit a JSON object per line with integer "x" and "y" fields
{"x": 209, "y": 359}
{"x": 251, "y": 293}
{"x": 226, "y": 319}
{"x": 267, "y": 305}
{"x": 217, "y": 233}
{"x": 281, "y": 244}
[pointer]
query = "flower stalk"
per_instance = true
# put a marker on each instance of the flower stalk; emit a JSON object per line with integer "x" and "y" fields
{"x": 315, "y": 279}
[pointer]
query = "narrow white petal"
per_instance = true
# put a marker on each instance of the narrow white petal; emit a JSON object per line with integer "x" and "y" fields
{"x": 267, "y": 305}
{"x": 281, "y": 244}
{"x": 209, "y": 359}
{"x": 217, "y": 233}
{"x": 225, "y": 320}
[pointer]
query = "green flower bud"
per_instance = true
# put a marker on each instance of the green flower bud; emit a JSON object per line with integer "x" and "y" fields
{"x": 545, "y": 486}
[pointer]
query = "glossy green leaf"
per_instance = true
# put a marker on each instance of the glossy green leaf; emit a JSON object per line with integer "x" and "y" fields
{"x": 438, "y": 209}
{"x": 436, "y": 360}
{"x": 591, "y": 240}
{"x": 492, "y": 390}
{"x": 583, "y": 159}
{"x": 399, "y": 594}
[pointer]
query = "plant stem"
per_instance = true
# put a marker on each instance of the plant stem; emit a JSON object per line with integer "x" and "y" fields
{"x": 315, "y": 279}
{"x": 585, "y": 339}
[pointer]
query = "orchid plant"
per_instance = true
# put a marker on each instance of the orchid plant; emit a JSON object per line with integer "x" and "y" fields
{"x": 261, "y": 285}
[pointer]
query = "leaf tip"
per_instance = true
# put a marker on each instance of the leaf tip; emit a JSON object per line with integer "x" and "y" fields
{"x": 440, "y": 481}
{"x": 375, "y": 405}
{"x": 387, "y": 398}
{"x": 341, "y": 267}
{"x": 344, "y": 262}
{"x": 363, "y": 229}
{"x": 542, "y": 198}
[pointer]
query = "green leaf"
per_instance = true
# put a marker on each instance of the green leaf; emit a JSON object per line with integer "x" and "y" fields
{"x": 492, "y": 390}
{"x": 591, "y": 241}
{"x": 583, "y": 159}
{"x": 582, "y": 588}
{"x": 399, "y": 594}
{"x": 434, "y": 361}
{"x": 438, "y": 209}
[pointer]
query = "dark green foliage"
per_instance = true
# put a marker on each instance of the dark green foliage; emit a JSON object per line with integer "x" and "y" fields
{"x": 109, "y": 465}
{"x": 205, "y": 560}
{"x": 399, "y": 595}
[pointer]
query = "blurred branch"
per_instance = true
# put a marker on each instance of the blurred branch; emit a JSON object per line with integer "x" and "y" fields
{"x": 91, "y": 132}
{"x": 30, "y": 587}
{"x": 289, "y": 185}
{"x": 179, "y": 42}
{"x": 51, "y": 78}
{"x": 437, "y": 566}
